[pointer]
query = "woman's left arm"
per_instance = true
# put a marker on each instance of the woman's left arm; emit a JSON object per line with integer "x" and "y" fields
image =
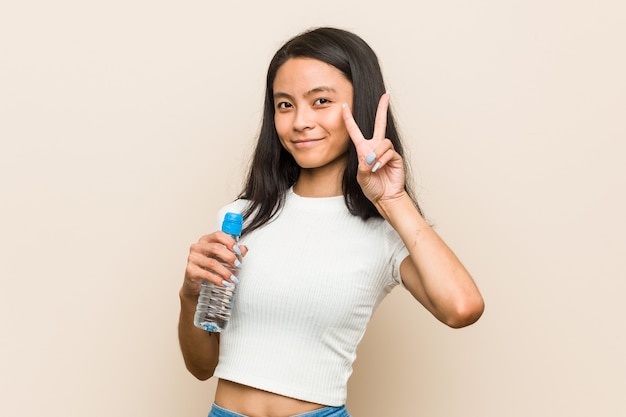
{"x": 432, "y": 273}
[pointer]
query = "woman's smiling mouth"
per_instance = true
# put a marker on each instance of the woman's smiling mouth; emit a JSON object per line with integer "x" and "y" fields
{"x": 303, "y": 143}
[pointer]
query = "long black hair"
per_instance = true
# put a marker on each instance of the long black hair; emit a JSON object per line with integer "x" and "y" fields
{"x": 273, "y": 170}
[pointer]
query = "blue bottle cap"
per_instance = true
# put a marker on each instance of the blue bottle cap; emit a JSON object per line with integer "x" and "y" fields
{"x": 232, "y": 224}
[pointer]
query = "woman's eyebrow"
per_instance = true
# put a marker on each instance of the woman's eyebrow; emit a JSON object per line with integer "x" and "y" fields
{"x": 280, "y": 94}
{"x": 320, "y": 89}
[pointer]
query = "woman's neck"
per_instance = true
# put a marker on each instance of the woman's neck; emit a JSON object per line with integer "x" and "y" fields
{"x": 316, "y": 183}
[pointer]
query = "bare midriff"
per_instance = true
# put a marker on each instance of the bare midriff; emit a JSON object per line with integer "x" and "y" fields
{"x": 254, "y": 402}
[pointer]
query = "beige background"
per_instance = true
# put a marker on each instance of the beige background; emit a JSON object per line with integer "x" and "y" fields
{"x": 124, "y": 125}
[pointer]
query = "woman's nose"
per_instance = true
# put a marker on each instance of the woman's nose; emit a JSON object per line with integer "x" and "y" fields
{"x": 304, "y": 120}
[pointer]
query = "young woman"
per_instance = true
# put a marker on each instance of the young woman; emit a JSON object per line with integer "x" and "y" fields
{"x": 331, "y": 228}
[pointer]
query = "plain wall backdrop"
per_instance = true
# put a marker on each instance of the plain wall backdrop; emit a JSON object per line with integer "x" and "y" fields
{"x": 125, "y": 125}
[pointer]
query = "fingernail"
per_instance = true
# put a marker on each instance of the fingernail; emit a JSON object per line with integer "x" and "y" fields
{"x": 388, "y": 92}
{"x": 376, "y": 167}
{"x": 370, "y": 158}
{"x": 237, "y": 250}
{"x": 226, "y": 283}
{"x": 344, "y": 105}
{"x": 234, "y": 279}
{"x": 237, "y": 263}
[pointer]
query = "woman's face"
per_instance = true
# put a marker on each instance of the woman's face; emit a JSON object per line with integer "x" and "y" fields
{"x": 308, "y": 100}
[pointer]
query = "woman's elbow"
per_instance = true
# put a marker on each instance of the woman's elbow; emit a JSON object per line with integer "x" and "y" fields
{"x": 202, "y": 375}
{"x": 466, "y": 313}
{"x": 200, "y": 372}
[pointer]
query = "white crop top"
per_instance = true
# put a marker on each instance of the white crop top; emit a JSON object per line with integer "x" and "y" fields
{"x": 309, "y": 284}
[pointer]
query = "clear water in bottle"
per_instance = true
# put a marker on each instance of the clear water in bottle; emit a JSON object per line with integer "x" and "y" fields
{"x": 215, "y": 302}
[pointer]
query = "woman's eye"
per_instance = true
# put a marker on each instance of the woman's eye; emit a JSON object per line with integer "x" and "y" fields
{"x": 321, "y": 101}
{"x": 283, "y": 105}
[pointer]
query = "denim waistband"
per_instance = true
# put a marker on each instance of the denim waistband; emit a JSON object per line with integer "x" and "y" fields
{"x": 217, "y": 411}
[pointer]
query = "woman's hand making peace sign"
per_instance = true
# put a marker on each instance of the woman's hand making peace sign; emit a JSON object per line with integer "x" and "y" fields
{"x": 381, "y": 170}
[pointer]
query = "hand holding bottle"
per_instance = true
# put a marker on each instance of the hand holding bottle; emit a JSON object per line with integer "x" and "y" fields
{"x": 209, "y": 260}
{"x": 215, "y": 300}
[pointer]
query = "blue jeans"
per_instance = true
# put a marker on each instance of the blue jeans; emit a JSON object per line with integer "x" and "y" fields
{"x": 217, "y": 411}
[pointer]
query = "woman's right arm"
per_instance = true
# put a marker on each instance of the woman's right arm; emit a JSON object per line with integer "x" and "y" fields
{"x": 200, "y": 348}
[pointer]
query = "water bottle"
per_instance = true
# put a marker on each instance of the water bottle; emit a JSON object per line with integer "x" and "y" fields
{"x": 215, "y": 302}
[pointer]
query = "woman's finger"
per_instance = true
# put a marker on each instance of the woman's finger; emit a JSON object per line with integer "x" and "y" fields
{"x": 218, "y": 254}
{"x": 196, "y": 275}
{"x": 380, "y": 127}
{"x": 210, "y": 269}
{"x": 380, "y": 122}
{"x": 353, "y": 129}
{"x": 383, "y": 159}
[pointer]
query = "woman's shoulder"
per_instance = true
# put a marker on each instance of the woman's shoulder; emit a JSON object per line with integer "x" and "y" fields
{"x": 236, "y": 206}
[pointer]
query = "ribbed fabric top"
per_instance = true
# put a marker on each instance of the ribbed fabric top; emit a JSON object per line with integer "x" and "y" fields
{"x": 308, "y": 287}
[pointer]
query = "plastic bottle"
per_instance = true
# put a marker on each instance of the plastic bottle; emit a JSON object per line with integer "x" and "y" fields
{"x": 215, "y": 302}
